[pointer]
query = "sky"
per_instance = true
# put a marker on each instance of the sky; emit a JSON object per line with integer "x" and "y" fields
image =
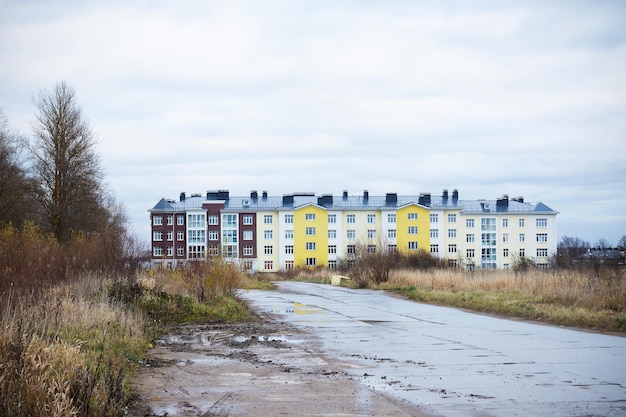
{"x": 525, "y": 98}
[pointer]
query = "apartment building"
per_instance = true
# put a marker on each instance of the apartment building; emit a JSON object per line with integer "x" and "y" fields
{"x": 271, "y": 233}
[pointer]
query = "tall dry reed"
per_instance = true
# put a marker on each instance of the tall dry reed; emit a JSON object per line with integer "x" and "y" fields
{"x": 577, "y": 288}
{"x": 66, "y": 350}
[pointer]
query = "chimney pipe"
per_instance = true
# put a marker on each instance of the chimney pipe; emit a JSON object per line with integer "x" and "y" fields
{"x": 182, "y": 196}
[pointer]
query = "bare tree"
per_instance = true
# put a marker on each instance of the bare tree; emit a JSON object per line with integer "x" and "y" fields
{"x": 622, "y": 242}
{"x": 65, "y": 165}
{"x": 16, "y": 204}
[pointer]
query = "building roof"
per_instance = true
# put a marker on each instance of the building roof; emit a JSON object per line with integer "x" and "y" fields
{"x": 346, "y": 202}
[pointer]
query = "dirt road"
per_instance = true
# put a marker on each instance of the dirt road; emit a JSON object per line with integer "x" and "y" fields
{"x": 265, "y": 368}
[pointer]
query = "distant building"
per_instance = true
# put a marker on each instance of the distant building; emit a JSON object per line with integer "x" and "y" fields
{"x": 271, "y": 233}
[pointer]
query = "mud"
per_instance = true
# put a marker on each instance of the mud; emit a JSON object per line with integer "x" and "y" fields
{"x": 264, "y": 368}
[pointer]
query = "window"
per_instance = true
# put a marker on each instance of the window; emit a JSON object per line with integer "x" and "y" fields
{"x": 309, "y": 216}
{"x": 521, "y": 222}
{"x": 371, "y": 218}
{"x": 196, "y": 252}
{"x": 469, "y": 253}
{"x": 351, "y": 234}
{"x": 542, "y": 253}
{"x": 391, "y": 218}
{"x": 229, "y": 220}
{"x": 310, "y": 231}
{"x": 214, "y": 234}
{"x": 157, "y": 220}
{"x": 469, "y": 238}
{"x": 268, "y": 234}
{"x": 451, "y": 248}
{"x": 157, "y": 251}
{"x": 247, "y": 219}
{"x": 213, "y": 220}
{"x": 452, "y": 233}
{"x": 434, "y": 218}
{"x": 288, "y": 234}
{"x": 332, "y": 218}
{"x": 310, "y": 245}
{"x": 267, "y": 219}
{"x": 488, "y": 224}
{"x": 332, "y": 234}
{"x": 157, "y": 236}
{"x": 288, "y": 264}
{"x": 542, "y": 237}
{"x": 392, "y": 248}
{"x": 180, "y": 235}
{"x": 247, "y": 251}
{"x": 332, "y": 264}
{"x": 452, "y": 263}
{"x": 196, "y": 236}
{"x": 413, "y": 245}
{"x": 412, "y": 230}
{"x": 434, "y": 233}
{"x": 522, "y": 238}
{"x": 170, "y": 236}
{"x": 488, "y": 239}
{"x": 196, "y": 220}
{"x": 469, "y": 223}
{"x": 229, "y": 236}
{"x": 170, "y": 221}
{"x": 332, "y": 248}
{"x": 434, "y": 248}
{"x": 451, "y": 218}
{"x": 412, "y": 216}
{"x": 522, "y": 252}
{"x": 351, "y": 218}
{"x": 310, "y": 262}
{"x": 505, "y": 238}
{"x": 180, "y": 251}
{"x": 289, "y": 249}
{"x": 288, "y": 218}
{"x": 268, "y": 249}
{"x": 371, "y": 234}
{"x": 351, "y": 249}
{"x": 391, "y": 233}
{"x": 371, "y": 248}
{"x": 506, "y": 266}
{"x": 542, "y": 222}
{"x": 268, "y": 265}
{"x": 213, "y": 250}
{"x": 505, "y": 253}
{"x": 505, "y": 222}
{"x": 247, "y": 235}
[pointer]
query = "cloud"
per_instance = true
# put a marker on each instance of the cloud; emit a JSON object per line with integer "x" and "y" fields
{"x": 488, "y": 97}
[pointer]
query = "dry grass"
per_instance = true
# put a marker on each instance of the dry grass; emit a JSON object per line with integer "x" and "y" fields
{"x": 583, "y": 298}
{"x": 67, "y": 353}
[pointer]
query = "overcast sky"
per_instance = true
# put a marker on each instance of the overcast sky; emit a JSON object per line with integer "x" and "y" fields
{"x": 526, "y": 98}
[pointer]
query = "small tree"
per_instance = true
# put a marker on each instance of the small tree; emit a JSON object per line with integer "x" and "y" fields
{"x": 622, "y": 243}
{"x": 66, "y": 166}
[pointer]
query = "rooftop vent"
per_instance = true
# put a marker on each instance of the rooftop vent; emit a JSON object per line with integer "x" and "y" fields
{"x": 455, "y": 195}
{"x": 345, "y": 194}
{"x": 254, "y": 195}
{"x": 182, "y": 196}
{"x": 391, "y": 198}
{"x": 287, "y": 200}
{"x": 424, "y": 199}
{"x": 325, "y": 200}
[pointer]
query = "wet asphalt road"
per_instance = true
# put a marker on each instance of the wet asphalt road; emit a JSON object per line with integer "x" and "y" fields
{"x": 454, "y": 363}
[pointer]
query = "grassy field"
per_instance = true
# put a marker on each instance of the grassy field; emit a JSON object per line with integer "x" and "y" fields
{"x": 588, "y": 299}
{"x": 71, "y": 349}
